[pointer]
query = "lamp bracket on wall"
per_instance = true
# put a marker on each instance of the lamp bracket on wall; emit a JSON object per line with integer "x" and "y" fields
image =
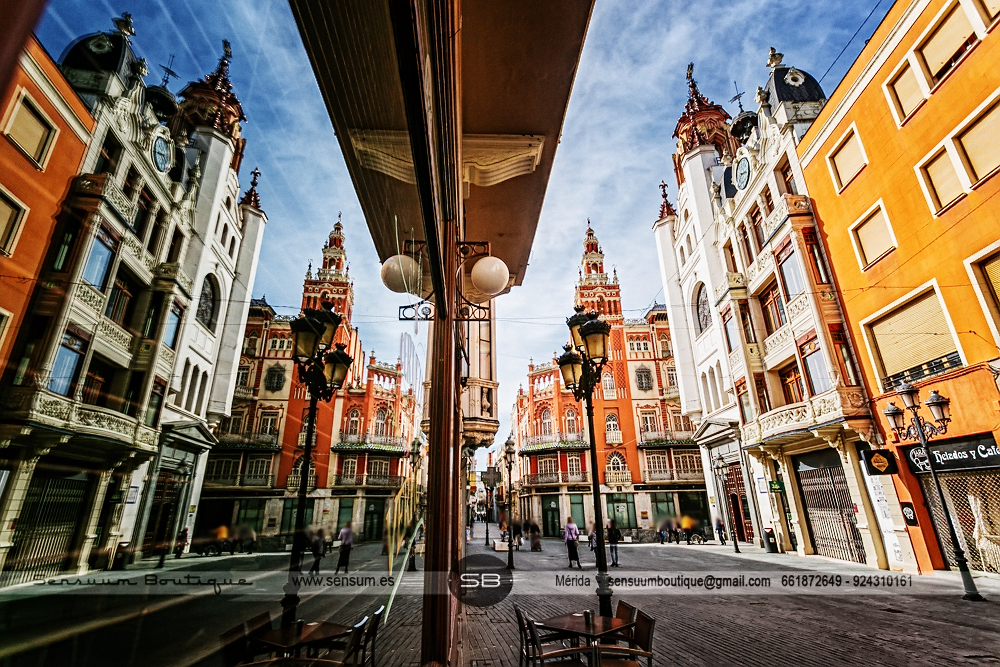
{"x": 467, "y": 311}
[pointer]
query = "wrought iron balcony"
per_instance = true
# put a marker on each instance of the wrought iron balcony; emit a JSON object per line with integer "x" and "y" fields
{"x": 295, "y": 480}
{"x": 925, "y": 370}
{"x": 549, "y": 478}
{"x": 372, "y": 439}
{"x": 546, "y": 438}
{"x": 673, "y": 475}
{"x": 613, "y": 437}
{"x": 615, "y": 477}
{"x": 392, "y": 481}
{"x": 239, "y": 480}
{"x": 249, "y": 439}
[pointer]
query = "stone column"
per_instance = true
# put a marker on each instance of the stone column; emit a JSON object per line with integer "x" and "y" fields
{"x": 23, "y": 468}
{"x": 89, "y": 523}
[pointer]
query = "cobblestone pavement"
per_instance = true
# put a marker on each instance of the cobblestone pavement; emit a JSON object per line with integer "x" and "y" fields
{"x": 923, "y": 626}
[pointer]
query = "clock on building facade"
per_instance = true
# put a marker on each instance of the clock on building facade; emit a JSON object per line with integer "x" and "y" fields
{"x": 743, "y": 173}
{"x": 161, "y": 154}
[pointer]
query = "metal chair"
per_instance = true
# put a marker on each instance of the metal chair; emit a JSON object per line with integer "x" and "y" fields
{"x": 370, "y": 634}
{"x": 526, "y": 653}
{"x": 641, "y": 646}
{"x": 352, "y": 647}
{"x": 560, "y": 657}
{"x": 625, "y": 612}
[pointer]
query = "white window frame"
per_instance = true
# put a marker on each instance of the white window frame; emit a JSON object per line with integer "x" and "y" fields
{"x": 856, "y": 244}
{"x": 18, "y": 224}
{"x": 976, "y": 277}
{"x": 972, "y": 12}
{"x": 8, "y": 120}
{"x": 837, "y": 145}
{"x": 866, "y": 333}
{"x": 917, "y": 68}
{"x": 6, "y": 318}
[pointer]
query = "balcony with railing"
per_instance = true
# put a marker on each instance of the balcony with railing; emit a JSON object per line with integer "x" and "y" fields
{"x": 239, "y": 480}
{"x": 243, "y": 391}
{"x": 391, "y": 481}
{"x": 549, "y": 478}
{"x": 370, "y": 441}
{"x": 613, "y": 437}
{"x": 249, "y": 439}
{"x": 295, "y": 480}
{"x": 923, "y": 371}
{"x": 614, "y": 477}
{"x": 674, "y": 475}
{"x": 789, "y": 421}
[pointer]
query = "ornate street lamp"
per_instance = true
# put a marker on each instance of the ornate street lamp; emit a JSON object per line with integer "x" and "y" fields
{"x": 508, "y": 457}
{"x": 922, "y": 430}
{"x": 322, "y": 371}
{"x": 581, "y": 373}
{"x": 414, "y": 467}
{"x": 721, "y": 473}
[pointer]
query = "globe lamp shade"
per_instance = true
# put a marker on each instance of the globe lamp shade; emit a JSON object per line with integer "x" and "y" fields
{"x": 338, "y": 363}
{"x": 895, "y": 416}
{"x": 596, "y": 334}
{"x": 305, "y": 334}
{"x": 401, "y": 274}
{"x": 508, "y": 449}
{"x": 571, "y": 366}
{"x": 490, "y": 276}
{"x": 940, "y": 407}
{"x": 574, "y": 323}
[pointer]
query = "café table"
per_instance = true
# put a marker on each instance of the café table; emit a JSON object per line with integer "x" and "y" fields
{"x": 575, "y": 624}
{"x": 292, "y": 638}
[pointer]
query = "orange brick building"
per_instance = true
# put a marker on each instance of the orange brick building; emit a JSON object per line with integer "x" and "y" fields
{"x": 46, "y": 129}
{"x": 902, "y": 164}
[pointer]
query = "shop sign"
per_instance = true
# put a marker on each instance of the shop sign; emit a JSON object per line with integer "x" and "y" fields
{"x": 879, "y": 462}
{"x": 965, "y": 454}
{"x": 909, "y": 514}
{"x": 776, "y": 486}
{"x": 133, "y": 495}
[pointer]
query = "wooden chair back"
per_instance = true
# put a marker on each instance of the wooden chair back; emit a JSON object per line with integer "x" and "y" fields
{"x": 258, "y": 625}
{"x": 643, "y": 636}
{"x": 625, "y": 611}
{"x": 354, "y": 641}
{"x": 372, "y": 632}
{"x": 234, "y": 646}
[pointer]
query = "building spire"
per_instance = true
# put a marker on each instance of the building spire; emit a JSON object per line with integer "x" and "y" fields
{"x": 665, "y": 208}
{"x": 251, "y": 198}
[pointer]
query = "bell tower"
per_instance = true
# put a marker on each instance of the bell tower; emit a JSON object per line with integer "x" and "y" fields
{"x": 332, "y": 281}
{"x": 594, "y": 289}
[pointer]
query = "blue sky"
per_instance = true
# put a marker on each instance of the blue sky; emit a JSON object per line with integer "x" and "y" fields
{"x": 615, "y": 147}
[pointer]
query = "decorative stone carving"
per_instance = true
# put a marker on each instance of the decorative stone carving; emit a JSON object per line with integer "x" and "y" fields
{"x": 90, "y": 297}
{"x": 117, "y": 336}
{"x": 797, "y": 306}
{"x": 777, "y": 339}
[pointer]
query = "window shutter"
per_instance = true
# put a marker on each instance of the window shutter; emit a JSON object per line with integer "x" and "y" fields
{"x": 981, "y": 145}
{"x": 991, "y": 268}
{"x": 29, "y": 131}
{"x": 993, "y": 7}
{"x": 944, "y": 180}
{"x": 848, "y": 160}
{"x": 946, "y": 40}
{"x": 907, "y": 91}
{"x": 873, "y": 237}
{"x": 912, "y": 335}
{"x": 9, "y": 213}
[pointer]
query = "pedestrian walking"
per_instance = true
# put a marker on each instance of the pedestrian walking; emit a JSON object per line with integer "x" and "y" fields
{"x": 346, "y": 538}
{"x": 221, "y": 536}
{"x": 663, "y": 531}
{"x": 570, "y": 537}
{"x": 318, "y": 550}
{"x": 536, "y": 536}
{"x": 251, "y": 540}
{"x": 515, "y": 529}
{"x": 687, "y": 525}
{"x": 181, "y": 543}
{"x": 592, "y": 537}
{"x": 614, "y": 536}
{"x": 675, "y": 531}
{"x": 720, "y": 530}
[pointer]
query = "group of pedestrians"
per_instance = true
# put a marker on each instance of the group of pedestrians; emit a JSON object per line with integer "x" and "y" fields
{"x": 571, "y": 537}
{"x": 675, "y": 530}
{"x": 316, "y": 543}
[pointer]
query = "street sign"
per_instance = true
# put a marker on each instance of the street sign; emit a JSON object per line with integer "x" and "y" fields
{"x": 491, "y": 477}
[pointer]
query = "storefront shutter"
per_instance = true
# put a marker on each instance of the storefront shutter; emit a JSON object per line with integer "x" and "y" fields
{"x": 908, "y": 93}
{"x": 848, "y": 160}
{"x": 946, "y": 40}
{"x": 873, "y": 237}
{"x": 913, "y": 334}
{"x": 944, "y": 180}
{"x": 981, "y": 145}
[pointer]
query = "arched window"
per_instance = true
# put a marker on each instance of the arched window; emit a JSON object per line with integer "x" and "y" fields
{"x": 644, "y": 379}
{"x": 687, "y": 242}
{"x": 189, "y": 403}
{"x": 608, "y": 384}
{"x": 616, "y": 461}
{"x": 225, "y": 234}
{"x": 297, "y": 469}
{"x": 571, "y": 426}
{"x": 713, "y": 386}
{"x": 645, "y": 346}
{"x": 702, "y": 310}
{"x": 274, "y": 343}
{"x": 380, "y": 422}
{"x": 354, "y": 422}
{"x": 664, "y": 346}
{"x": 274, "y": 378}
{"x": 611, "y": 423}
{"x": 682, "y": 255}
{"x": 208, "y": 303}
{"x": 546, "y": 422}
{"x": 232, "y": 246}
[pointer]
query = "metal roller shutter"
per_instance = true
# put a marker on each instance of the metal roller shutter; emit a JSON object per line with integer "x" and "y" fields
{"x": 913, "y": 334}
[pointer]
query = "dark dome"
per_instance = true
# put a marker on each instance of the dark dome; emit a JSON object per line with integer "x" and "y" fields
{"x": 162, "y": 102}
{"x": 743, "y": 125}
{"x": 101, "y": 52}
{"x": 788, "y": 84}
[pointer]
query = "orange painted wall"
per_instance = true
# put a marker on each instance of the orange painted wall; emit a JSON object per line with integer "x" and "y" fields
{"x": 41, "y": 190}
{"x": 929, "y": 246}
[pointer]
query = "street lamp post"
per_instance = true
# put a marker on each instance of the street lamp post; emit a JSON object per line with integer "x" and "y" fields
{"x": 322, "y": 371}
{"x": 721, "y": 473}
{"x": 508, "y": 456}
{"x": 922, "y": 430}
{"x": 490, "y": 479}
{"x": 414, "y": 467}
{"x": 581, "y": 372}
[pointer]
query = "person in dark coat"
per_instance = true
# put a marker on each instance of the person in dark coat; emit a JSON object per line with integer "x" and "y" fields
{"x": 515, "y": 531}
{"x": 318, "y": 550}
{"x": 346, "y": 538}
{"x": 614, "y": 537}
{"x": 720, "y": 530}
{"x": 536, "y": 537}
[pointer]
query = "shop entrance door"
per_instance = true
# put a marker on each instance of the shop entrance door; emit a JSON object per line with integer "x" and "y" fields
{"x": 374, "y": 518}
{"x": 550, "y": 516}
{"x": 45, "y": 537}
{"x": 829, "y": 509}
{"x": 739, "y": 508}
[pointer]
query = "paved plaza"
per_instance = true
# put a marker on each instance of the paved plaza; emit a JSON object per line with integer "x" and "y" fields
{"x": 928, "y": 624}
